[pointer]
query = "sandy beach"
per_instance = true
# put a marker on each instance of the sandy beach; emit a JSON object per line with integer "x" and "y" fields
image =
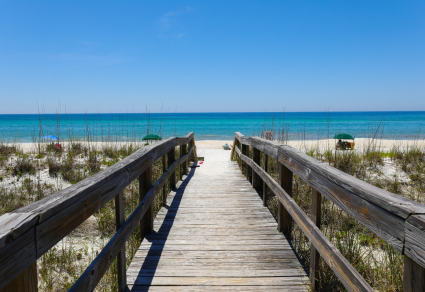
{"x": 361, "y": 144}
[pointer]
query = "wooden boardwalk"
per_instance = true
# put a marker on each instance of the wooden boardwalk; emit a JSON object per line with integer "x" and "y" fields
{"x": 215, "y": 235}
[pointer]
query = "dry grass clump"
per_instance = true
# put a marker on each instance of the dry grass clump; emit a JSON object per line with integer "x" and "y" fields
{"x": 54, "y": 167}
{"x": 29, "y": 191}
{"x": 23, "y": 165}
{"x": 5, "y": 152}
{"x": 69, "y": 171}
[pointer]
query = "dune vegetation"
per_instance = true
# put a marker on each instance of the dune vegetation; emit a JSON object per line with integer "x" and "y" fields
{"x": 400, "y": 171}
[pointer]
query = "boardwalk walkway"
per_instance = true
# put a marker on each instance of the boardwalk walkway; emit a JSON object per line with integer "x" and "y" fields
{"x": 215, "y": 235}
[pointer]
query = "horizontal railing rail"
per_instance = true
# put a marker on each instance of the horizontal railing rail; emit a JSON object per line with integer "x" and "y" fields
{"x": 398, "y": 221}
{"x": 29, "y": 232}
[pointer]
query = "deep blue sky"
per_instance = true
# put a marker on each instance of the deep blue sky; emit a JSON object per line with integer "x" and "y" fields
{"x": 203, "y": 56}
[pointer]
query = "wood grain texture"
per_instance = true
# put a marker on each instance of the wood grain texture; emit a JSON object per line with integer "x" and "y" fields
{"x": 284, "y": 219}
{"x": 415, "y": 239}
{"x": 171, "y": 157}
{"x": 145, "y": 183}
{"x": 27, "y": 233}
{"x": 345, "y": 272}
{"x": 316, "y": 215}
{"x": 413, "y": 277}
{"x": 382, "y": 212}
{"x": 121, "y": 260}
{"x": 101, "y": 263}
{"x": 26, "y": 281}
{"x": 266, "y": 169}
{"x": 215, "y": 234}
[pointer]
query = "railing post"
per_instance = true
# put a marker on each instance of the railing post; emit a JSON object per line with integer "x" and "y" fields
{"x": 26, "y": 281}
{"x": 171, "y": 159}
{"x": 314, "y": 254}
{"x": 145, "y": 183}
{"x": 183, "y": 168}
{"x": 119, "y": 218}
{"x": 244, "y": 165}
{"x": 186, "y": 164}
{"x": 192, "y": 145}
{"x": 250, "y": 176}
{"x": 256, "y": 180}
{"x": 413, "y": 277}
{"x": 164, "y": 188}
{"x": 284, "y": 221}
{"x": 266, "y": 168}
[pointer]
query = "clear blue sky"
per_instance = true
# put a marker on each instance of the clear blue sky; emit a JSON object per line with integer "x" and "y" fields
{"x": 203, "y": 56}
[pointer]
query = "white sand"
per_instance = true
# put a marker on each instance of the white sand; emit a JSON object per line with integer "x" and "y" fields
{"x": 361, "y": 144}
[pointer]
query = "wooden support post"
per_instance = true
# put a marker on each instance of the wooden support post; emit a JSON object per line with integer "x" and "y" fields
{"x": 235, "y": 144}
{"x": 121, "y": 266}
{"x": 164, "y": 188}
{"x": 266, "y": 168}
{"x": 186, "y": 170}
{"x": 194, "y": 155}
{"x": 26, "y": 281}
{"x": 284, "y": 221}
{"x": 256, "y": 180}
{"x": 171, "y": 159}
{"x": 249, "y": 169}
{"x": 245, "y": 167}
{"x": 183, "y": 165}
{"x": 314, "y": 254}
{"x": 145, "y": 183}
{"x": 414, "y": 276}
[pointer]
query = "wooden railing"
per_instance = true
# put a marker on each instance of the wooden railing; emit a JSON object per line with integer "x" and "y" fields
{"x": 29, "y": 232}
{"x": 398, "y": 221}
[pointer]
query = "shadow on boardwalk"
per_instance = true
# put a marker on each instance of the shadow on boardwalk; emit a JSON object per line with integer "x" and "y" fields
{"x": 159, "y": 238}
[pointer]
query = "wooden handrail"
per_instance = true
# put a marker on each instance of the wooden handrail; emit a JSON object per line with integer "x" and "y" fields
{"x": 27, "y": 233}
{"x": 397, "y": 220}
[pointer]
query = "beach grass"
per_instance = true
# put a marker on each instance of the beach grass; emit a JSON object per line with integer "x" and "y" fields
{"x": 28, "y": 176}
{"x": 399, "y": 170}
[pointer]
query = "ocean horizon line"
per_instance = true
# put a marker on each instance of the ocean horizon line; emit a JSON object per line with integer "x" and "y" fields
{"x": 219, "y": 112}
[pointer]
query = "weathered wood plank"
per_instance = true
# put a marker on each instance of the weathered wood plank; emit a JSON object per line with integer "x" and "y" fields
{"x": 382, "y": 212}
{"x": 26, "y": 281}
{"x": 413, "y": 277}
{"x": 316, "y": 215}
{"x": 121, "y": 261}
{"x": 197, "y": 288}
{"x": 221, "y": 281}
{"x": 17, "y": 256}
{"x": 415, "y": 239}
{"x": 215, "y": 227}
{"x": 145, "y": 183}
{"x": 171, "y": 157}
{"x": 348, "y": 276}
{"x": 266, "y": 169}
{"x": 256, "y": 180}
{"x": 98, "y": 267}
{"x": 284, "y": 219}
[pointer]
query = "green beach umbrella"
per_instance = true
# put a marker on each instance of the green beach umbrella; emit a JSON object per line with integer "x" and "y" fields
{"x": 343, "y": 136}
{"x": 151, "y": 137}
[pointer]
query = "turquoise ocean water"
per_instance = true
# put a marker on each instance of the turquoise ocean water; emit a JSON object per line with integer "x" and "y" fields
{"x": 211, "y": 126}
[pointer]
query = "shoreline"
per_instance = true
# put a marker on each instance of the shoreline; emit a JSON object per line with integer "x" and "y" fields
{"x": 361, "y": 144}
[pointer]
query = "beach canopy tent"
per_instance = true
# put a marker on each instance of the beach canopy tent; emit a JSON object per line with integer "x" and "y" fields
{"x": 344, "y": 145}
{"x": 344, "y": 136}
{"x": 151, "y": 137}
{"x": 51, "y": 137}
